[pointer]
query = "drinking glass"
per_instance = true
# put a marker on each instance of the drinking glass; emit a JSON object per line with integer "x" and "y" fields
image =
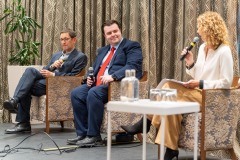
{"x": 170, "y": 94}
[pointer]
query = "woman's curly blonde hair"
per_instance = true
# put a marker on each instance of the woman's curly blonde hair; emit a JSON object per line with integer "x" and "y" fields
{"x": 213, "y": 25}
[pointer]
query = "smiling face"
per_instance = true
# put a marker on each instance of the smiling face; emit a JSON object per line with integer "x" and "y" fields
{"x": 67, "y": 43}
{"x": 112, "y": 34}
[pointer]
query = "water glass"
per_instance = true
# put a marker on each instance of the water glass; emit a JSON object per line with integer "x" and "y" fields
{"x": 155, "y": 95}
{"x": 170, "y": 94}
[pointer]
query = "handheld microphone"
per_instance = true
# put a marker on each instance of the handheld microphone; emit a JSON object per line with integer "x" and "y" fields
{"x": 53, "y": 68}
{"x": 192, "y": 44}
{"x": 90, "y": 73}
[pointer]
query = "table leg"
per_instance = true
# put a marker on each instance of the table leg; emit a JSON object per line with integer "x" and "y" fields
{"x": 162, "y": 136}
{"x": 195, "y": 135}
{"x": 109, "y": 137}
{"x": 144, "y": 137}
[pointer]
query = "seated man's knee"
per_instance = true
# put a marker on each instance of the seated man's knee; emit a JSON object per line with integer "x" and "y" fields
{"x": 92, "y": 94}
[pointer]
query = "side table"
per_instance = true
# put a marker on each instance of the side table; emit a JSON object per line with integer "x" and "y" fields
{"x": 145, "y": 106}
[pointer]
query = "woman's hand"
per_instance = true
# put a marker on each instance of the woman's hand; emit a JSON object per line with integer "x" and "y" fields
{"x": 189, "y": 57}
{"x": 192, "y": 84}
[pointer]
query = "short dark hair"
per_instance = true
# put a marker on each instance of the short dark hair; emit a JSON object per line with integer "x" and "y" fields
{"x": 109, "y": 23}
{"x": 71, "y": 32}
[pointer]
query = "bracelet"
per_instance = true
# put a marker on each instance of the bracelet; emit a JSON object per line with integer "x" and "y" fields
{"x": 201, "y": 84}
{"x": 189, "y": 67}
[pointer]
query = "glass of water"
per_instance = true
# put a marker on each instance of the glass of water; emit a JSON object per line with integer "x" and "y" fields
{"x": 155, "y": 95}
{"x": 170, "y": 94}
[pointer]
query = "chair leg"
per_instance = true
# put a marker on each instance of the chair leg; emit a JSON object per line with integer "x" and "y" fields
{"x": 47, "y": 127}
{"x": 203, "y": 155}
{"x": 233, "y": 155}
{"x": 158, "y": 151}
{"x": 139, "y": 136}
{"x": 62, "y": 124}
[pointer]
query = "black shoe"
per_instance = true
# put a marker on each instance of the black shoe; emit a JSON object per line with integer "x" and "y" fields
{"x": 137, "y": 127}
{"x": 90, "y": 141}
{"x": 22, "y": 127}
{"x": 11, "y": 105}
{"x": 170, "y": 154}
{"x": 73, "y": 141}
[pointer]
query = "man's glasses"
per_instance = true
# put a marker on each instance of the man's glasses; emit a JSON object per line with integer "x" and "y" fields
{"x": 64, "y": 39}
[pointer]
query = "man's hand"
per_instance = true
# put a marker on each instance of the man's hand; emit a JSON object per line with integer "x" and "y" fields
{"x": 46, "y": 73}
{"x": 57, "y": 63}
{"x": 106, "y": 79}
{"x": 90, "y": 81}
{"x": 192, "y": 84}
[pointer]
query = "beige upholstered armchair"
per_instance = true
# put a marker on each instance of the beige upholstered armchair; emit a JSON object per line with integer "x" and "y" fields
{"x": 217, "y": 122}
{"x": 56, "y": 105}
{"x": 118, "y": 118}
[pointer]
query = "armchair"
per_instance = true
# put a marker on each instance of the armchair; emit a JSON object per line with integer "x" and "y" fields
{"x": 56, "y": 105}
{"x": 119, "y": 119}
{"x": 217, "y": 123}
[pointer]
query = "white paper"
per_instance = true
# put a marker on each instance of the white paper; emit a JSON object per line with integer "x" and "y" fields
{"x": 163, "y": 81}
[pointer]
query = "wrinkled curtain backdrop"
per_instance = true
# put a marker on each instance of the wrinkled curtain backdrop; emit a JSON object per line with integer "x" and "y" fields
{"x": 163, "y": 27}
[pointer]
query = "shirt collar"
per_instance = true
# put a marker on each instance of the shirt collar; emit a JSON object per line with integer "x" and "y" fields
{"x": 116, "y": 46}
{"x": 67, "y": 53}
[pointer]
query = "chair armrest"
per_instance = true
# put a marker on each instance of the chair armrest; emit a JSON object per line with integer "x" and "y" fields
{"x": 58, "y": 90}
{"x": 220, "y": 115}
{"x": 235, "y": 81}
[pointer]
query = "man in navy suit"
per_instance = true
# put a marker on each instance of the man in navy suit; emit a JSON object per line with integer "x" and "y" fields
{"x": 88, "y": 100}
{"x": 68, "y": 62}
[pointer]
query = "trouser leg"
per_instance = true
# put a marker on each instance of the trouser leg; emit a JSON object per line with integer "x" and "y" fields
{"x": 80, "y": 112}
{"x": 29, "y": 77}
{"x": 97, "y": 97}
{"x": 38, "y": 89}
{"x": 171, "y": 132}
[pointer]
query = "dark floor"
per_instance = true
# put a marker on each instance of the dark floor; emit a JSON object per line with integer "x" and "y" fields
{"x": 39, "y": 140}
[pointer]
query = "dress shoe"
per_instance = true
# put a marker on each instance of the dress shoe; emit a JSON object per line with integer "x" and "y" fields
{"x": 170, "y": 154}
{"x": 137, "y": 127}
{"x": 11, "y": 105}
{"x": 90, "y": 141}
{"x": 73, "y": 141}
{"x": 22, "y": 127}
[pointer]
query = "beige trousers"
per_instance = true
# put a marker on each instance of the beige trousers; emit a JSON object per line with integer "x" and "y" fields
{"x": 173, "y": 122}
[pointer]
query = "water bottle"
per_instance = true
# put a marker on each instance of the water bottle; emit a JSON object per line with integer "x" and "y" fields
{"x": 125, "y": 86}
{"x": 133, "y": 86}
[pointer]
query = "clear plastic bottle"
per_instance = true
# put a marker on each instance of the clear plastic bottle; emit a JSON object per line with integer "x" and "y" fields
{"x": 125, "y": 86}
{"x": 133, "y": 86}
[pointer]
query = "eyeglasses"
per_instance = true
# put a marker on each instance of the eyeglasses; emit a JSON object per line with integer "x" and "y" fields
{"x": 65, "y": 39}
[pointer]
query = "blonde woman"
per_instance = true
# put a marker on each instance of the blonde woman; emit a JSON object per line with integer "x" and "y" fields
{"x": 213, "y": 69}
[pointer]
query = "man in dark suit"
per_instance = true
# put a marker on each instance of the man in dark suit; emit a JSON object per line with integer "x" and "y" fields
{"x": 68, "y": 62}
{"x": 88, "y": 100}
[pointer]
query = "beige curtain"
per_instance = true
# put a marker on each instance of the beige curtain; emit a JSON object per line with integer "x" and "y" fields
{"x": 163, "y": 27}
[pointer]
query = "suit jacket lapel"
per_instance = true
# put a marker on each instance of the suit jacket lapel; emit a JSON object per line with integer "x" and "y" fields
{"x": 101, "y": 56}
{"x": 118, "y": 51}
{"x": 72, "y": 55}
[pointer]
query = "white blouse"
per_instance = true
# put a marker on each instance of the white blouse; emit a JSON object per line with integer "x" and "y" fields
{"x": 216, "y": 69}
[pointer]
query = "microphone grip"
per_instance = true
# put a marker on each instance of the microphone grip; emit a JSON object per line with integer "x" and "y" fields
{"x": 90, "y": 73}
{"x": 188, "y": 49}
{"x": 183, "y": 56}
{"x": 52, "y": 68}
{"x": 91, "y": 76}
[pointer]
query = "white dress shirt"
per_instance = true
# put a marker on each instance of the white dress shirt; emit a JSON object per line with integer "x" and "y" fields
{"x": 216, "y": 69}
